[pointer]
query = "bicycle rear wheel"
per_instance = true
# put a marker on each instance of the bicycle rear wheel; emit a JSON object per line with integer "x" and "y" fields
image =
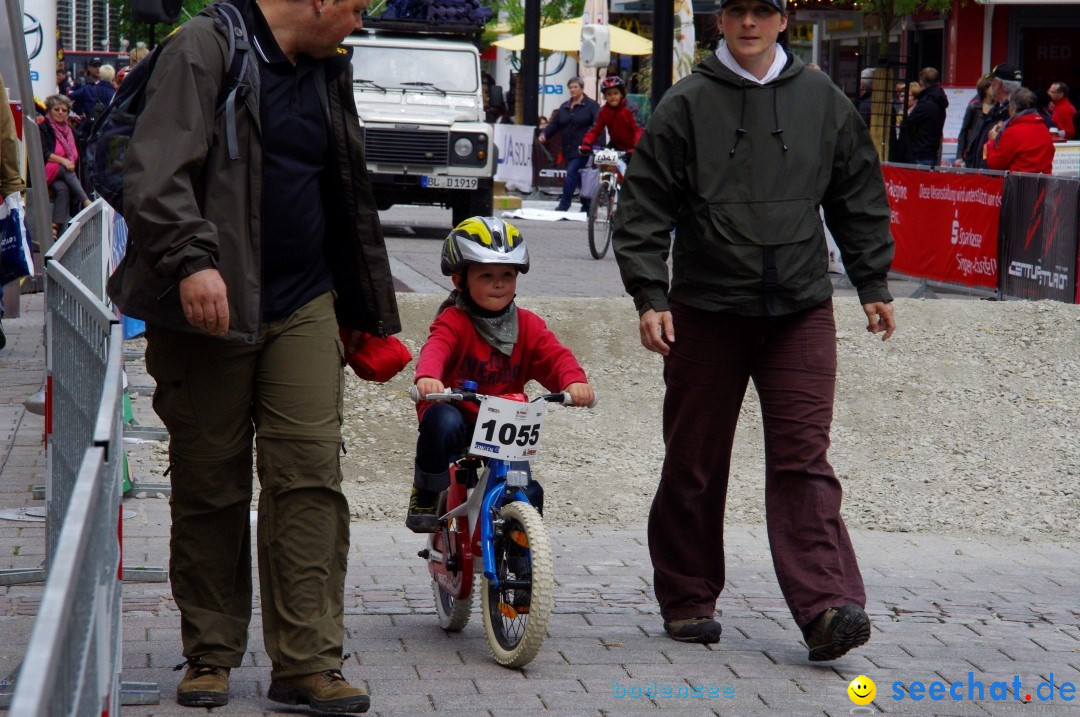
{"x": 516, "y": 614}
{"x": 453, "y": 613}
{"x": 600, "y": 222}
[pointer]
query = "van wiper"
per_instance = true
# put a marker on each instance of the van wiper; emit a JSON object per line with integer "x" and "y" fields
{"x": 369, "y": 82}
{"x": 426, "y": 84}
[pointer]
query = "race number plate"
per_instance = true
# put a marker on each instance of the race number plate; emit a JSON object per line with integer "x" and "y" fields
{"x": 506, "y": 429}
{"x": 443, "y": 182}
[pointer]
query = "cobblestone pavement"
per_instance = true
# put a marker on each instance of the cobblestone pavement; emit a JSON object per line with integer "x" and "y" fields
{"x": 978, "y": 613}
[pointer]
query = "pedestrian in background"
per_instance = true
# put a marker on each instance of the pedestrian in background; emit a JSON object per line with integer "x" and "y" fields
{"x": 1023, "y": 143}
{"x": 11, "y": 180}
{"x": 1062, "y": 111}
{"x": 926, "y": 120}
{"x": 93, "y": 97}
{"x": 61, "y": 161}
{"x": 738, "y": 157}
{"x": 976, "y": 109}
{"x": 1005, "y": 79}
{"x": 248, "y": 272}
{"x": 866, "y": 94}
{"x": 571, "y": 121}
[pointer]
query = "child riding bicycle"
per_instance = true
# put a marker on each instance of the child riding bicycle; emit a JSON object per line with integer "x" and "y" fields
{"x": 618, "y": 117}
{"x": 479, "y": 334}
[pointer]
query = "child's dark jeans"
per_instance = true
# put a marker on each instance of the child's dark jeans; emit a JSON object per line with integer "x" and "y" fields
{"x": 444, "y": 435}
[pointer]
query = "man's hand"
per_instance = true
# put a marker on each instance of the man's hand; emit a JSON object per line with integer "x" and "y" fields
{"x": 657, "y": 331}
{"x": 203, "y": 296}
{"x": 879, "y": 317}
{"x": 581, "y": 393}
{"x": 424, "y": 386}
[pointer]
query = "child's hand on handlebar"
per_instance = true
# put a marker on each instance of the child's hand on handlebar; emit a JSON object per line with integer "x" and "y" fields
{"x": 424, "y": 386}
{"x": 581, "y": 393}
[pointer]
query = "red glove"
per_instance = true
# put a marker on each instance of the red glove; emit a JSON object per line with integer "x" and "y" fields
{"x": 373, "y": 358}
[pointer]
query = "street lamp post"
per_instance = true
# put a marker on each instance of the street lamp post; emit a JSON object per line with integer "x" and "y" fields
{"x": 530, "y": 65}
{"x": 663, "y": 47}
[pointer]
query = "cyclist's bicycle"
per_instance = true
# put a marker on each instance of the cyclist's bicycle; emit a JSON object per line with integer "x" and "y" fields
{"x": 602, "y": 209}
{"x": 488, "y": 525}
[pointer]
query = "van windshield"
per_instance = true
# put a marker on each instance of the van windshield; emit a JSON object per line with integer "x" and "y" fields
{"x": 397, "y": 67}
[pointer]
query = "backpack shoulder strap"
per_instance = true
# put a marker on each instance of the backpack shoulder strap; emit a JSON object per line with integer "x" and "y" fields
{"x": 231, "y": 23}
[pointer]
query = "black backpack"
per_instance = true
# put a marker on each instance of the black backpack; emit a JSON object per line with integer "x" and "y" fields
{"x": 111, "y": 132}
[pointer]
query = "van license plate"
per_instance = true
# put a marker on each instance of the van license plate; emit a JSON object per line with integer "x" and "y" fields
{"x": 444, "y": 182}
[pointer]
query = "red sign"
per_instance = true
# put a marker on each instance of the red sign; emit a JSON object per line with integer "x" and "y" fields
{"x": 945, "y": 225}
{"x": 16, "y": 112}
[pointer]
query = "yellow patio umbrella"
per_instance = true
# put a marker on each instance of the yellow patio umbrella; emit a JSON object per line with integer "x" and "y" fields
{"x": 566, "y": 37}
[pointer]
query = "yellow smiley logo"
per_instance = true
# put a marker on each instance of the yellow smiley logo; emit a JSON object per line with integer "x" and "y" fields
{"x": 862, "y": 690}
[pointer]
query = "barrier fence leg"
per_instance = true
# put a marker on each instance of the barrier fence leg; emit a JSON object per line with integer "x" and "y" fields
{"x": 139, "y": 693}
{"x": 7, "y": 687}
{"x": 924, "y": 291}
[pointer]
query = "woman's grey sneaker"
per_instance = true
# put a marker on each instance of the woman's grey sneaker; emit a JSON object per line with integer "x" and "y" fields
{"x": 327, "y": 691}
{"x": 696, "y": 629}
{"x": 836, "y": 631}
{"x": 202, "y": 685}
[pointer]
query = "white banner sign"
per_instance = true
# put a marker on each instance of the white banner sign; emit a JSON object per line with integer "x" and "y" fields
{"x": 39, "y": 29}
{"x": 515, "y": 143}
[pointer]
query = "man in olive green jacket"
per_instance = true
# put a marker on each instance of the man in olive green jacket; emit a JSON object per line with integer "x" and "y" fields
{"x": 738, "y": 158}
{"x": 244, "y": 269}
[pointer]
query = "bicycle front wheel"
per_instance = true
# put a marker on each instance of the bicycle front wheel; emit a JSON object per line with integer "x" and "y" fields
{"x": 600, "y": 222}
{"x": 516, "y": 614}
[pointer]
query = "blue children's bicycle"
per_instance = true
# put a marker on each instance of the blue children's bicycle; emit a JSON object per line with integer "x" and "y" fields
{"x": 498, "y": 524}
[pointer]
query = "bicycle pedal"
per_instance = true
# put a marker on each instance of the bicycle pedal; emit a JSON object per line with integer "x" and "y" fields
{"x": 519, "y": 537}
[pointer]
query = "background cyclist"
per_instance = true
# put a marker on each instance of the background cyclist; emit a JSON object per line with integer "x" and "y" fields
{"x": 619, "y": 117}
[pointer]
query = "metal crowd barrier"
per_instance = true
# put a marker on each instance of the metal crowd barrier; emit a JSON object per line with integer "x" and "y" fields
{"x": 77, "y": 332}
{"x": 72, "y": 663}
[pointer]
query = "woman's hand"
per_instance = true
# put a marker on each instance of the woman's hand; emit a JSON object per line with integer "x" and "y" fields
{"x": 542, "y": 138}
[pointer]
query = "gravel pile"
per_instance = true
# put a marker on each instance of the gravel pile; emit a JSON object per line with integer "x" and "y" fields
{"x": 965, "y": 422}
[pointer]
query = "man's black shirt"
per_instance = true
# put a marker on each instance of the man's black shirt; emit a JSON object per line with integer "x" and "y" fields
{"x": 296, "y": 142}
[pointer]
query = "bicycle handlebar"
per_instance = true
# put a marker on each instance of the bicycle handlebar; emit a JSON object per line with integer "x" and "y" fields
{"x": 451, "y": 394}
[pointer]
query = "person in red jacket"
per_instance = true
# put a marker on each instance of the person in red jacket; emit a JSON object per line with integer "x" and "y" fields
{"x": 480, "y": 335}
{"x": 617, "y": 117}
{"x": 1023, "y": 143}
{"x": 1064, "y": 115}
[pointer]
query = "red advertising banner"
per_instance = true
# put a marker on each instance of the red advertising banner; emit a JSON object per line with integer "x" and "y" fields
{"x": 945, "y": 225}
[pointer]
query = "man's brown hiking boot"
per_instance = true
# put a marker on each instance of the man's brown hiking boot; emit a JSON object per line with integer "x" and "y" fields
{"x": 836, "y": 631}
{"x": 696, "y": 629}
{"x": 327, "y": 691}
{"x": 203, "y": 685}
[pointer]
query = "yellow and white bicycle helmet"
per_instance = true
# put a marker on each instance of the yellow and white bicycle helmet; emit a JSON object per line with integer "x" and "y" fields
{"x": 484, "y": 240}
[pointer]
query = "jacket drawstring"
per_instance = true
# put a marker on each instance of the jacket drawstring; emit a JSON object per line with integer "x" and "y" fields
{"x": 739, "y": 132}
{"x": 778, "y": 132}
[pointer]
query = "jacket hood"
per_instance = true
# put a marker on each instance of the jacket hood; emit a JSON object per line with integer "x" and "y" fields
{"x": 713, "y": 68}
{"x": 936, "y": 95}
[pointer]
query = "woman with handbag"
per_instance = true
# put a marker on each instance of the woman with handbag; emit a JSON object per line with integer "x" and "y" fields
{"x": 58, "y": 140}
{"x": 572, "y": 120}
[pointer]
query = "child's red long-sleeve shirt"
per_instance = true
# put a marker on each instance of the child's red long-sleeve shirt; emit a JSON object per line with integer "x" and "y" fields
{"x": 454, "y": 352}
{"x": 620, "y": 124}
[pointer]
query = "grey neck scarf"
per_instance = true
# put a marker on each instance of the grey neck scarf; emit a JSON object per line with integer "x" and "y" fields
{"x": 497, "y": 328}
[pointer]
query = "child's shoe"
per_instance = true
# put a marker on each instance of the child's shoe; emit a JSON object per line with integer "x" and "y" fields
{"x": 423, "y": 516}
